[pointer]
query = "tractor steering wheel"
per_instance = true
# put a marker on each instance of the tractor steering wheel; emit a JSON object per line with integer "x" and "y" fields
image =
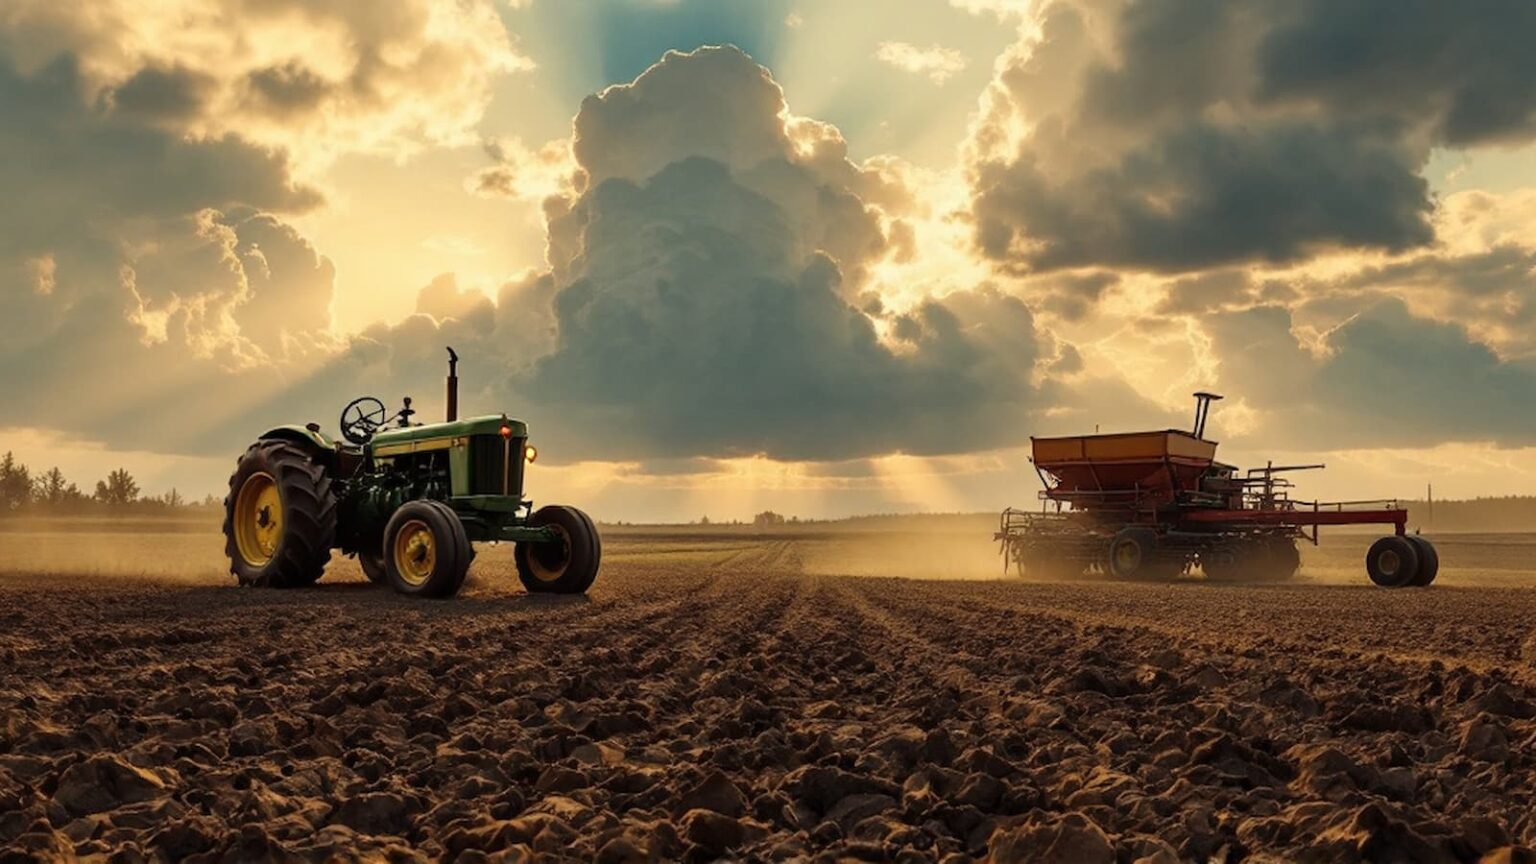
{"x": 361, "y": 418}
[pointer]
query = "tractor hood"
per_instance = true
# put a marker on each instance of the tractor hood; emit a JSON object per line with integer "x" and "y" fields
{"x": 489, "y": 424}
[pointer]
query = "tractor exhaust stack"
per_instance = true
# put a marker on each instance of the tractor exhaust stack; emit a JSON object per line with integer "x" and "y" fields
{"x": 453, "y": 386}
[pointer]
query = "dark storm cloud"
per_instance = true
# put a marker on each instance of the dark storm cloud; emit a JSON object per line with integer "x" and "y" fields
{"x": 1467, "y": 69}
{"x": 1383, "y": 378}
{"x": 1203, "y": 196}
{"x": 1506, "y": 272}
{"x": 1176, "y": 135}
{"x": 159, "y": 92}
{"x": 287, "y": 89}
{"x": 79, "y": 166}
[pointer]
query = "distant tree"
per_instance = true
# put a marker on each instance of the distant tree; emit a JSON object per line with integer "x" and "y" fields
{"x": 15, "y": 484}
{"x": 52, "y": 491}
{"x": 767, "y": 519}
{"x": 173, "y": 498}
{"x": 703, "y": 520}
{"x": 50, "y": 487}
{"x": 118, "y": 490}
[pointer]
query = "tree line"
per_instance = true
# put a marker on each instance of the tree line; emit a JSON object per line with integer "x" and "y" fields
{"x": 50, "y": 491}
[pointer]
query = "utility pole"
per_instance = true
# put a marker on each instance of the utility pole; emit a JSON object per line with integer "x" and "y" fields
{"x": 1430, "y": 497}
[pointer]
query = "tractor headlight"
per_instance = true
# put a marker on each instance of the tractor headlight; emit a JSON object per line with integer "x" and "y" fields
{"x": 530, "y": 452}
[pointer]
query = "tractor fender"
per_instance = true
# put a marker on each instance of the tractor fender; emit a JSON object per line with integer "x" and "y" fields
{"x": 310, "y": 438}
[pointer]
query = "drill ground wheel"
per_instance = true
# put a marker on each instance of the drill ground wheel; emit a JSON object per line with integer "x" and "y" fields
{"x": 1429, "y": 561}
{"x": 1283, "y": 559}
{"x": 426, "y": 553}
{"x": 1252, "y": 560}
{"x": 1392, "y": 562}
{"x": 280, "y": 516}
{"x": 567, "y": 565}
{"x": 1134, "y": 554}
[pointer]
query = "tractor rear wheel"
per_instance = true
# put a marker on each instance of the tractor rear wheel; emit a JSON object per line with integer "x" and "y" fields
{"x": 1429, "y": 561}
{"x": 426, "y": 553}
{"x": 565, "y": 566}
{"x": 280, "y": 516}
{"x": 1392, "y": 562}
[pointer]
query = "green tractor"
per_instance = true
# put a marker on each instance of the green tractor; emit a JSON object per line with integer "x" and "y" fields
{"x": 406, "y": 498}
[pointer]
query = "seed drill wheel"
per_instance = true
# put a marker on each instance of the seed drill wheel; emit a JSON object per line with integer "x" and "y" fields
{"x": 1429, "y": 561}
{"x": 1393, "y": 562}
{"x": 425, "y": 551}
{"x": 1134, "y": 554}
{"x": 280, "y": 516}
{"x": 1284, "y": 559}
{"x": 1252, "y": 560}
{"x": 566, "y": 566}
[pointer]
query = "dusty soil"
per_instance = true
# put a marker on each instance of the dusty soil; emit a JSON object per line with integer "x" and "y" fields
{"x": 727, "y": 697}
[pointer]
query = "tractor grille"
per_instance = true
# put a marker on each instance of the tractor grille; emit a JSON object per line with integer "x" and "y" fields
{"x": 487, "y": 462}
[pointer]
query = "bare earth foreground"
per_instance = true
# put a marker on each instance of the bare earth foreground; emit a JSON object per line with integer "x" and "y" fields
{"x": 737, "y": 697}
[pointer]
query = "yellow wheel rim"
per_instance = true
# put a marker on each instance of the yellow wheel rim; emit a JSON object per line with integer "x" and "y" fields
{"x": 541, "y": 569}
{"x": 1127, "y": 556}
{"x": 415, "y": 552}
{"x": 258, "y": 519}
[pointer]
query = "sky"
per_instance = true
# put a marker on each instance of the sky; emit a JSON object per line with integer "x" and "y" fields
{"x": 827, "y": 258}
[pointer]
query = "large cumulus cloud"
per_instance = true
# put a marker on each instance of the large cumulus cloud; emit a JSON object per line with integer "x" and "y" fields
{"x": 711, "y": 276}
{"x": 1177, "y": 135}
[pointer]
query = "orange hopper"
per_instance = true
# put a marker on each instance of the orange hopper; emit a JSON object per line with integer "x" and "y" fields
{"x": 1152, "y": 465}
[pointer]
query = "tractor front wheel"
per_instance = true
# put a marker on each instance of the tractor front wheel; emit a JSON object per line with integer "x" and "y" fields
{"x": 426, "y": 553}
{"x": 566, "y": 565}
{"x": 1392, "y": 562}
{"x": 280, "y": 516}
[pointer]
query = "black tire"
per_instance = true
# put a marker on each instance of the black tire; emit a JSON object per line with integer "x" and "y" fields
{"x": 288, "y": 548}
{"x": 426, "y": 553}
{"x": 373, "y": 567}
{"x": 1222, "y": 565}
{"x": 1044, "y": 560}
{"x": 1252, "y": 560}
{"x": 566, "y": 567}
{"x": 1429, "y": 561}
{"x": 1133, "y": 554}
{"x": 1392, "y": 562}
{"x": 1282, "y": 559}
